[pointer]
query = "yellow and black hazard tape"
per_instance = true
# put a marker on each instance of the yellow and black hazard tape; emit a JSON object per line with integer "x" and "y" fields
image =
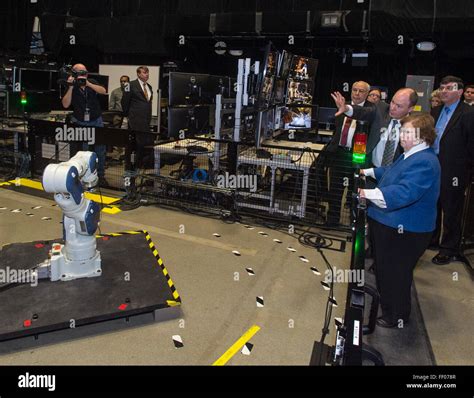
{"x": 106, "y": 201}
{"x": 151, "y": 245}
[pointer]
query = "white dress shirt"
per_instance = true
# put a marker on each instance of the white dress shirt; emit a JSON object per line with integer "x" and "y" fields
{"x": 376, "y": 195}
{"x": 352, "y": 129}
{"x": 144, "y": 87}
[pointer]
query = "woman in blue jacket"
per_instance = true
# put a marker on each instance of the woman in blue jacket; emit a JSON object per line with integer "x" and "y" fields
{"x": 402, "y": 216}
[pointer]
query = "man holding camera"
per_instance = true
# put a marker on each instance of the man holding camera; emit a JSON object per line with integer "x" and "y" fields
{"x": 82, "y": 94}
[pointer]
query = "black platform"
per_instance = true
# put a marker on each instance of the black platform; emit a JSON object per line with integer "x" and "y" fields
{"x": 133, "y": 281}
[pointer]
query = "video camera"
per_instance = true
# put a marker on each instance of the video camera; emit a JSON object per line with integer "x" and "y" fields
{"x": 67, "y": 71}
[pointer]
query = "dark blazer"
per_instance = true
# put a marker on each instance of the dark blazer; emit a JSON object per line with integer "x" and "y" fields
{"x": 136, "y": 107}
{"x": 379, "y": 119}
{"x": 333, "y": 145}
{"x": 456, "y": 148}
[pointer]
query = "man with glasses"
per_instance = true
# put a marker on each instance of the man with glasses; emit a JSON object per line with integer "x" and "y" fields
{"x": 339, "y": 154}
{"x": 454, "y": 146}
{"x": 375, "y": 95}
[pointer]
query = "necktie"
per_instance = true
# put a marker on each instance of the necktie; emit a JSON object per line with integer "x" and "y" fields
{"x": 440, "y": 127}
{"x": 145, "y": 91}
{"x": 345, "y": 132}
{"x": 389, "y": 151}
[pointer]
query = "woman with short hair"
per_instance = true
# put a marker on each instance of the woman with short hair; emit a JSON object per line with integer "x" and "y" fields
{"x": 402, "y": 216}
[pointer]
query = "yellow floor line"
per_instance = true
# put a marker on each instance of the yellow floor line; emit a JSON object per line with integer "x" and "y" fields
{"x": 106, "y": 200}
{"x": 25, "y": 182}
{"x": 111, "y": 210}
{"x": 237, "y": 346}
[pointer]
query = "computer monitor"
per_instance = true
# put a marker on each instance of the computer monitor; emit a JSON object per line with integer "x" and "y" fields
{"x": 217, "y": 85}
{"x": 187, "y": 121}
{"x": 267, "y": 76}
{"x": 299, "y": 92}
{"x": 280, "y": 88}
{"x": 265, "y": 126}
{"x": 326, "y": 117}
{"x": 35, "y": 79}
{"x": 303, "y": 68}
{"x": 188, "y": 89}
{"x": 266, "y": 91}
{"x": 284, "y": 64}
{"x": 297, "y": 117}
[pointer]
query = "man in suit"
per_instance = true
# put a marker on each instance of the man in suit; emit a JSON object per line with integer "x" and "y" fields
{"x": 136, "y": 104}
{"x": 455, "y": 148}
{"x": 383, "y": 143}
{"x": 469, "y": 94}
{"x": 338, "y": 154}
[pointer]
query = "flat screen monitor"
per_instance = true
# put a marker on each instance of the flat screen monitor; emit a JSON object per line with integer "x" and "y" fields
{"x": 267, "y": 77}
{"x": 188, "y": 89}
{"x": 266, "y": 91}
{"x": 299, "y": 92}
{"x": 280, "y": 88}
{"x": 187, "y": 121}
{"x": 218, "y": 85}
{"x": 297, "y": 117}
{"x": 303, "y": 68}
{"x": 34, "y": 79}
{"x": 326, "y": 117}
{"x": 265, "y": 126}
{"x": 248, "y": 125}
{"x": 284, "y": 64}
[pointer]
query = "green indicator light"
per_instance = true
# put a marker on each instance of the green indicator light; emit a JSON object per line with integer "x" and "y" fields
{"x": 358, "y": 157}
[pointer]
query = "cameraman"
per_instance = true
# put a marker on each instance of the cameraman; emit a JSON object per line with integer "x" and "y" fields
{"x": 82, "y": 95}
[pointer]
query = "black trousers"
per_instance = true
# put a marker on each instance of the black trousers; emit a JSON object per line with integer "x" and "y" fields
{"x": 396, "y": 255}
{"x": 341, "y": 175}
{"x": 450, "y": 206}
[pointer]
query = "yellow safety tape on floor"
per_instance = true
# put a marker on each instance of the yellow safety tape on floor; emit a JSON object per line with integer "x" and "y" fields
{"x": 235, "y": 348}
{"x": 101, "y": 199}
{"x": 152, "y": 247}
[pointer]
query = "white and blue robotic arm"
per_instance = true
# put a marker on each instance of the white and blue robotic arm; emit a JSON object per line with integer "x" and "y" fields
{"x": 78, "y": 257}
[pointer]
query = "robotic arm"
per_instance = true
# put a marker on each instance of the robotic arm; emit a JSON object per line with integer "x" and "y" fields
{"x": 78, "y": 257}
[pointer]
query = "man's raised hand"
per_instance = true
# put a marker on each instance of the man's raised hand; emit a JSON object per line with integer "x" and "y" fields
{"x": 340, "y": 103}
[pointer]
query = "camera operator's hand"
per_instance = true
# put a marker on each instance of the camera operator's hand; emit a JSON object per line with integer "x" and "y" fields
{"x": 97, "y": 88}
{"x": 70, "y": 80}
